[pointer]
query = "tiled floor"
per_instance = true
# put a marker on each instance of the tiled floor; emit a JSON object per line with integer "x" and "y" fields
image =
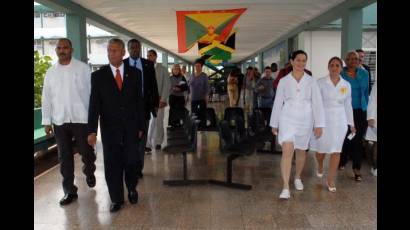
{"x": 353, "y": 206}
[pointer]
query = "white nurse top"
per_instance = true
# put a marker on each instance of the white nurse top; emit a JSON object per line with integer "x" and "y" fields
{"x": 297, "y": 109}
{"x": 371, "y": 133}
{"x": 337, "y": 101}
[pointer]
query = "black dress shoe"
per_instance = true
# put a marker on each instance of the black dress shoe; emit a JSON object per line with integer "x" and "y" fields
{"x": 147, "y": 149}
{"x": 115, "y": 207}
{"x": 133, "y": 197}
{"x": 158, "y": 147}
{"x": 68, "y": 198}
{"x": 90, "y": 181}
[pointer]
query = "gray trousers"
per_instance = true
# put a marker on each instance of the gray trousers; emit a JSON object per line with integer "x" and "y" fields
{"x": 141, "y": 147}
{"x": 64, "y": 135}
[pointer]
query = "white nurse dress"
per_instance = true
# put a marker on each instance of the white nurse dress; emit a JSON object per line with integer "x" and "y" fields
{"x": 297, "y": 109}
{"x": 337, "y": 101}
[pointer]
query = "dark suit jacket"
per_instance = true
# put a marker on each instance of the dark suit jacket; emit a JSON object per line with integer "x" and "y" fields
{"x": 151, "y": 95}
{"x": 366, "y": 67}
{"x": 120, "y": 112}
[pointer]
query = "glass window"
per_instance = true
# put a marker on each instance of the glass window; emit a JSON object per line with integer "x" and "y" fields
{"x": 171, "y": 59}
{"x": 98, "y": 55}
{"x": 49, "y": 49}
{"x": 54, "y": 20}
{"x": 48, "y": 14}
{"x": 59, "y": 14}
{"x": 38, "y": 46}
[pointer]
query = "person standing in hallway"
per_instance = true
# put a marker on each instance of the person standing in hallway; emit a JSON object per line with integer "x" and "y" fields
{"x": 233, "y": 88}
{"x": 149, "y": 92}
{"x": 65, "y": 101}
{"x": 156, "y": 128}
{"x": 249, "y": 88}
{"x": 199, "y": 88}
{"x": 116, "y": 101}
{"x": 264, "y": 88}
{"x": 187, "y": 78}
{"x": 359, "y": 82}
{"x": 364, "y": 66}
{"x": 337, "y": 101}
{"x": 371, "y": 133}
{"x": 179, "y": 85}
{"x": 240, "y": 77}
{"x": 297, "y": 110}
{"x": 274, "y": 69}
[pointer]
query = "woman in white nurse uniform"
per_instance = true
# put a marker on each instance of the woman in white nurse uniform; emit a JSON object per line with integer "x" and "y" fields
{"x": 337, "y": 101}
{"x": 371, "y": 134}
{"x": 297, "y": 109}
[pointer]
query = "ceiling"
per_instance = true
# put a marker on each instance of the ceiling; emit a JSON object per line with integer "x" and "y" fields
{"x": 263, "y": 22}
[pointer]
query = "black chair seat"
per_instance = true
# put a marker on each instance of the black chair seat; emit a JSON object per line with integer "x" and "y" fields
{"x": 244, "y": 148}
{"x": 176, "y": 149}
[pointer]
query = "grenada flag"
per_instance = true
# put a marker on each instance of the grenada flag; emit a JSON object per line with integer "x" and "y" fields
{"x": 205, "y": 26}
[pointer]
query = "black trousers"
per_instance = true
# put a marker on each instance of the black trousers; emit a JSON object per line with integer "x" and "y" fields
{"x": 141, "y": 147}
{"x": 354, "y": 148}
{"x": 120, "y": 164}
{"x": 176, "y": 110}
{"x": 372, "y": 150}
{"x": 198, "y": 107}
{"x": 64, "y": 135}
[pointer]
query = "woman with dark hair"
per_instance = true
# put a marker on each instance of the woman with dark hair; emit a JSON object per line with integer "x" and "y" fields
{"x": 179, "y": 85}
{"x": 359, "y": 82}
{"x": 337, "y": 101}
{"x": 297, "y": 110}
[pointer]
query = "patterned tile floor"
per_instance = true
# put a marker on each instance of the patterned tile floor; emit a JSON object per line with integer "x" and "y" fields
{"x": 353, "y": 206}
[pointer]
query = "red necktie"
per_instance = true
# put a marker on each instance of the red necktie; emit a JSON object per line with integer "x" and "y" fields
{"x": 118, "y": 79}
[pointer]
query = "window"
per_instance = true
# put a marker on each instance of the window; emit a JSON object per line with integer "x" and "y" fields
{"x": 53, "y": 42}
{"x": 59, "y": 14}
{"x": 38, "y": 46}
{"x": 171, "y": 59}
{"x": 49, "y": 14}
{"x": 100, "y": 41}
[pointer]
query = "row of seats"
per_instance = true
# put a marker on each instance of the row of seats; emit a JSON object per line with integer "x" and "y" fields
{"x": 235, "y": 141}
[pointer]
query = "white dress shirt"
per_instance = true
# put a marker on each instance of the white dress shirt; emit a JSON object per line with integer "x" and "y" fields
{"x": 114, "y": 70}
{"x": 66, "y": 93}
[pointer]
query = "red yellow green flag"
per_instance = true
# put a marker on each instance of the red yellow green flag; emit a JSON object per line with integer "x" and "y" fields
{"x": 205, "y": 26}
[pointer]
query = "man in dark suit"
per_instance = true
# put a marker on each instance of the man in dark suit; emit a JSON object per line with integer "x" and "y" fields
{"x": 149, "y": 92}
{"x": 116, "y": 101}
{"x": 364, "y": 66}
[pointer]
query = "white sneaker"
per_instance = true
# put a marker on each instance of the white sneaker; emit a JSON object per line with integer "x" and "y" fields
{"x": 285, "y": 194}
{"x": 298, "y": 184}
{"x": 373, "y": 171}
{"x": 320, "y": 175}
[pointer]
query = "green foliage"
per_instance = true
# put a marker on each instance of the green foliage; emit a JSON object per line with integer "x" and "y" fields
{"x": 41, "y": 65}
